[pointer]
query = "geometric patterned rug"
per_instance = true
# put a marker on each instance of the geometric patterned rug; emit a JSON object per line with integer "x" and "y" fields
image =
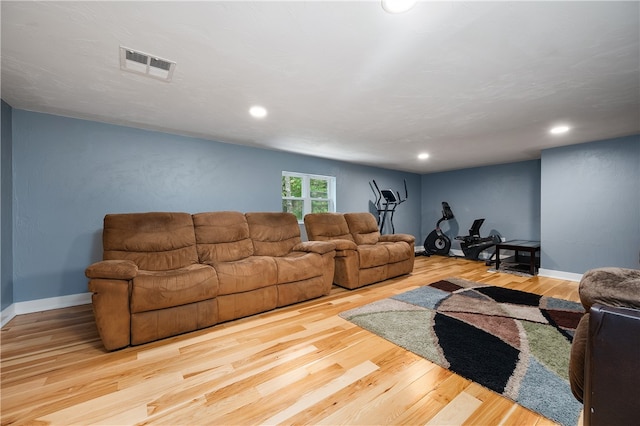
{"x": 512, "y": 342}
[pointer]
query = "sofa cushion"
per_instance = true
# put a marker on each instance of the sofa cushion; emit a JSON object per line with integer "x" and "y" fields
{"x": 363, "y": 227}
{"x": 246, "y": 274}
{"x": 273, "y": 234}
{"x": 298, "y": 266}
{"x": 398, "y": 251}
{"x": 373, "y": 255}
{"x": 327, "y": 226}
{"x": 153, "y": 290}
{"x": 154, "y": 241}
{"x": 222, "y": 236}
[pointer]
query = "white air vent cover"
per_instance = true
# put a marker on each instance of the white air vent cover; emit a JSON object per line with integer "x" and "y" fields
{"x": 144, "y": 63}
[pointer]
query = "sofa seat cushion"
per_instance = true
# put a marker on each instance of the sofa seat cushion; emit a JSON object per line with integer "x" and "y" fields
{"x": 248, "y": 274}
{"x": 373, "y": 255}
{"x": 398, "y": 251}
{"x": 298, "y": 266}
{"x": 163, "y": 289}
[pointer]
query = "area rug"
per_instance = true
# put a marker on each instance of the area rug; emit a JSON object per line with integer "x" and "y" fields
{"x": 512, "y": 342}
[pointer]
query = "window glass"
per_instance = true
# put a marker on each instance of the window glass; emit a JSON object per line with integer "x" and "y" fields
{"x": 304, "y": 193}
{"x": 291, "y": 186}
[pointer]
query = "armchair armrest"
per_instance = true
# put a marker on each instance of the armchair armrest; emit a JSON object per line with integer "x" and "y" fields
{"x": 611, "y": 373}
{"x": 320, "y": 247}
{"x": 345, "y": 245}
{"x": 611, "y": 287}
{"x": 112, "y": 269}
{"x": 393, "y": 238}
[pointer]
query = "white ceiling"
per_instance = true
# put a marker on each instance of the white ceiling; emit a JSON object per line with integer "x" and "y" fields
{"x": 471, "y": 83}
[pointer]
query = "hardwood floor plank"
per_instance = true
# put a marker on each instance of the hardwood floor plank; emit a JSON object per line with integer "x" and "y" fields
{"x": 457, "y": 411}
{"x": 300, "y": 364}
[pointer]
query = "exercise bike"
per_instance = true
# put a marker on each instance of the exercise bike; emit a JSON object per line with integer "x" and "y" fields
{"x": 472, "y": 245}
{"x": 437, "y": 242}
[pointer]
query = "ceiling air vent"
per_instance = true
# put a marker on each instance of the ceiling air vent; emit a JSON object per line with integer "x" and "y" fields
{"x": 144, "y": 63}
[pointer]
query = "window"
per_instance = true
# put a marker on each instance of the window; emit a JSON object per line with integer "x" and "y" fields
{"x": 303, "y": 193}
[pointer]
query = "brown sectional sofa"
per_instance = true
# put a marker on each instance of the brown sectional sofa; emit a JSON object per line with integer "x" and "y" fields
{"x": 363, "y": 256}
{"x": 169, "y": 273}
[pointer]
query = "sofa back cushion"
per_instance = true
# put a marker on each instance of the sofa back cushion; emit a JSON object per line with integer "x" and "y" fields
{"x": 327, "y": 226}
{"x": 222, "y": 236}
{"x": 273, "y": 234}
{"x": 154, "y": 241}
{"x": 363, "y": 227}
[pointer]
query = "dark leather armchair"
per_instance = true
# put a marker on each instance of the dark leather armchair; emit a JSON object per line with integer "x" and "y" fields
{"x": 604, "y": 370}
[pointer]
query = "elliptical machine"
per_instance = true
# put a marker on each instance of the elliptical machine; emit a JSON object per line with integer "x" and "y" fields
{"x": 437, "y": 242}
{"x": 386, "y": 202}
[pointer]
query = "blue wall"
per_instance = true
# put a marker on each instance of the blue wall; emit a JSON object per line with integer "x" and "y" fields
{"x": 6, "y": 216}
{"x": 581, "y": 201}
{"x": 591, "y": 205}
{"x": 507, "y": 196}
{"x": 69, "y": 173}
{"x": 60, "y": 176}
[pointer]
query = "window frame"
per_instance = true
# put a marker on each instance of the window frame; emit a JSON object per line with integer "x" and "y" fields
{"x": 306, "y": 191}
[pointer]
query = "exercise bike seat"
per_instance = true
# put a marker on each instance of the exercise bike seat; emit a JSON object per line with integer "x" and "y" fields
{"x": 472, "y": 245}
{"x": 474, "y": 232}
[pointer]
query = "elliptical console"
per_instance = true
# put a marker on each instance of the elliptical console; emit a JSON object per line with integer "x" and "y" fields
{"x": 437, "y": 242}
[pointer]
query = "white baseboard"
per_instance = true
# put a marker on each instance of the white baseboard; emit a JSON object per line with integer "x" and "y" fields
{"x": 7, "y": 314}
{"x": 561, "y": 275}
{"x": 47, "y": 304}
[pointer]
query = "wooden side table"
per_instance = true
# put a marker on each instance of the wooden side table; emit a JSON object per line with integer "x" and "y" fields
{"x": 531, "y": 247}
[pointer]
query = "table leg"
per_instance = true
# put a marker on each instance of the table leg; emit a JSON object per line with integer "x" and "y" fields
{"x": 532, "y": 262}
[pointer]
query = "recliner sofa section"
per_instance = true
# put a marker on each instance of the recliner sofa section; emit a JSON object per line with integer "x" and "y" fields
{"x": 603, "y": 368}
{"x": 165, "y": 274}
{"x": 363, "y": 255}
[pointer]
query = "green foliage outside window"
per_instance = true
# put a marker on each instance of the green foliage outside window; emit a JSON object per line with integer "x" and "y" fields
{"x": 302, "y": 194}
{"x": 319, "y": 188}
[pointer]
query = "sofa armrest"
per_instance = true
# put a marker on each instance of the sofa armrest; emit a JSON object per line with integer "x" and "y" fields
{"x": 611, "y": 287}
{"x": 320, "y": 247}
{"x": 111, "y": 301}
{"x": 393, "y": 238}
{"x": 611, "y": 366}
{"x": 345, "y": 245}
{"x": 112, "y": 269}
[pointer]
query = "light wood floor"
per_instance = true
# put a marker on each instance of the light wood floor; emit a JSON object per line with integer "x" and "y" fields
{"x": 297, "y": 365}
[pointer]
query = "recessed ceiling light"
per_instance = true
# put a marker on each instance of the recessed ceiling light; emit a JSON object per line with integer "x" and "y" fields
{"x": 423, "y": 156}
{"x": 398, "y": 6}
{"x": 257, "y": 111}
{"x": 558, "y": 130}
